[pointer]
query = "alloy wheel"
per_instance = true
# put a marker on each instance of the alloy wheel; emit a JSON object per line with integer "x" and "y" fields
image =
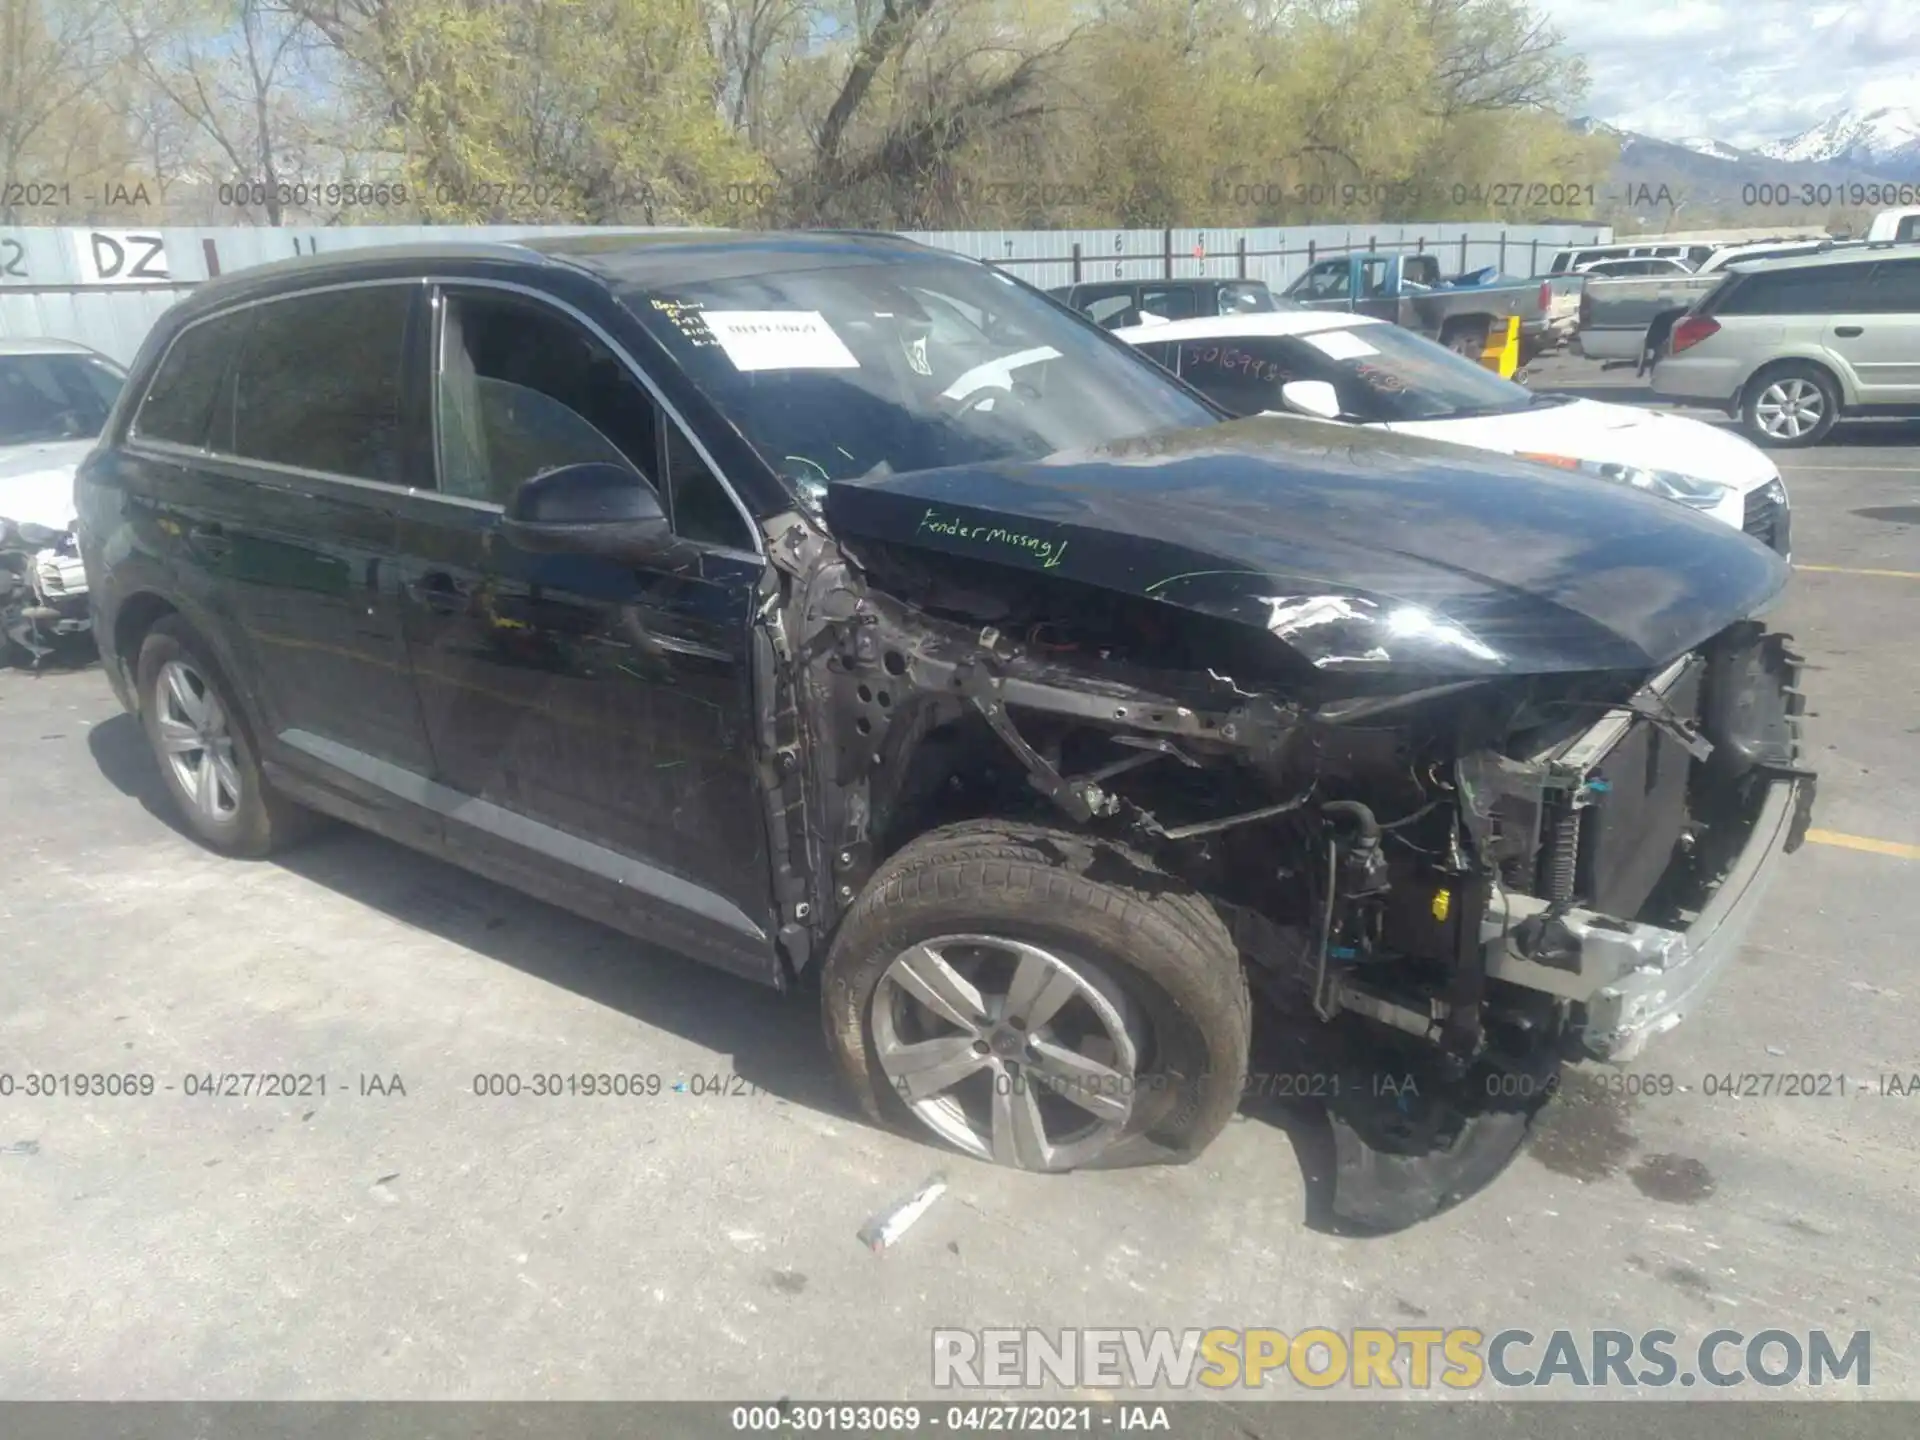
{"x": 1010, "y": 1052}
{"x": 1790, "y": 408}
{"x": 196, "y": 740}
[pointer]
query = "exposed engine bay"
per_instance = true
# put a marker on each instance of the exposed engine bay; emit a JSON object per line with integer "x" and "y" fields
{"x": 1477, "y": 877}
{"x": 43, "y": 590}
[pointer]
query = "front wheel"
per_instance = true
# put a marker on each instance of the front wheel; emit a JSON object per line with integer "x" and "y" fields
{"x": 1790, "y": 406}
{"x": 1038, "y": 1000}
{"x": 206, "y": 755}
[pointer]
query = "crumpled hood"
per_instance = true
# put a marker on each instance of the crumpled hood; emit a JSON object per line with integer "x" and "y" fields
{"x": 1362, "y": 551}
{"x": 1611, "y": 435}
{"x": 36, "y": 481}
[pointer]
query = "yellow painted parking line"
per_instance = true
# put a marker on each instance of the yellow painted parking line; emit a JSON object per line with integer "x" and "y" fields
{"x": 1849, "y": 570}
{"x": 1864, "y": 842}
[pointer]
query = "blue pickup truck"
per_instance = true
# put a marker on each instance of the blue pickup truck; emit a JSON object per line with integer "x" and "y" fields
{"x": 1459, "y": 312}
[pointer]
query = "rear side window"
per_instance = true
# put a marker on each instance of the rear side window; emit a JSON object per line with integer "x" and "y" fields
{"x": 1815, "y": 290}
{"x": 178, "y": 402}
{"x": 1908, "y": 228}
{"x": 1895, "y": 288}
{"x": 321, "y": 380}
{"x": 1167, "y": 304}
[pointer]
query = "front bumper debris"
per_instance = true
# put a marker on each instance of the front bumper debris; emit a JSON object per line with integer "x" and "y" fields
{"x": 1637, "y": 981}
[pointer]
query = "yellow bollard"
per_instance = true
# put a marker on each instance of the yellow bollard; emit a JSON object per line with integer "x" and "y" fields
{"x": 1502, "y": 352}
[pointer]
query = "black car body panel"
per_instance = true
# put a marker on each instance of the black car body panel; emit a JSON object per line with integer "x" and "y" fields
{"x": 1242, "y": 655}
{"x": 1256, "y": 520}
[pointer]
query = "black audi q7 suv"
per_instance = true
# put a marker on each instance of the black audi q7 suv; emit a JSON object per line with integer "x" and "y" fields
{"x": 824, "y": 605}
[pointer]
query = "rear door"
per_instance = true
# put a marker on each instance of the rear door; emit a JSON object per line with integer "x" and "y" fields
{"x": 282, "y": 528}
{"x": 1877, "y": 331}
{"x": 589, "y": 720}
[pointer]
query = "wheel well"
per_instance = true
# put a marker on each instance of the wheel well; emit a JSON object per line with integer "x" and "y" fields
{"x": 1793, "y": 362}
{"x": 138, "y": 614}
{"x": 1464, "y": 324}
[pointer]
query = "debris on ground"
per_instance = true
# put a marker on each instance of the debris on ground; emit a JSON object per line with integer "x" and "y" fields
{"x": 893, "y": 1222}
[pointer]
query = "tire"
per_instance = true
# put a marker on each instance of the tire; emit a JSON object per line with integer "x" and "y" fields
{"x": 1465, "y": 340}
{"x": 1806, "y": 389}
{"x": 1141, "y": 1058}
{"x": 242, "y": 815}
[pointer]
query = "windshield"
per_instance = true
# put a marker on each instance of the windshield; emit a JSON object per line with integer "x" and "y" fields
{"x": 836, "y": 373}
{"x": 54, "y": 397}
{"x": 1381, "y": 373}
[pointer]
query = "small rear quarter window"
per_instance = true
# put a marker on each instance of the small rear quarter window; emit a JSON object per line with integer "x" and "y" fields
{"x": 187, "y": 381}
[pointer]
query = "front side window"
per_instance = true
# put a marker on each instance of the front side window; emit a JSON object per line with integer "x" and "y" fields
{"x": 54, "y": 397}
{"x": 1328, "y": 280}
{"x": 1381, "y": 373}
{"x": 523, "y": 389}
{"x": 319, "y": 384}
{"x": 850, "y": 371}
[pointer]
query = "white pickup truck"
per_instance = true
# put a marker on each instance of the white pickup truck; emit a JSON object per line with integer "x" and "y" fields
{"x": 1626, "y": 319}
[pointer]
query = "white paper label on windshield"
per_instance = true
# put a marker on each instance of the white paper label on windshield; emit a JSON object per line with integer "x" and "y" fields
{"x": 1340, "y": 344}
{"x": 779, "y": 340}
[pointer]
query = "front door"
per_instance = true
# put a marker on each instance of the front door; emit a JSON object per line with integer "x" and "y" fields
{"x": 590, "y": 721}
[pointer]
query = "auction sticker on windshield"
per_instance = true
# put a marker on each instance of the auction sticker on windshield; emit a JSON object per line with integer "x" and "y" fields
{"x": 1340, "y": 344}
{"x": 779, "y": 340}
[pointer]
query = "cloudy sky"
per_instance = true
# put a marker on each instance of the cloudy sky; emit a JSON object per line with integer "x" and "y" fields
{"x": 1742, "y": 71}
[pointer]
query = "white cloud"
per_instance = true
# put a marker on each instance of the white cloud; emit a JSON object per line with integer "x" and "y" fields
{"x": 1743, "y": 71}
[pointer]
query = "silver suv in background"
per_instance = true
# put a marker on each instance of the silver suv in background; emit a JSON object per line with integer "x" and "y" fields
{"x": 1790, "y": 346}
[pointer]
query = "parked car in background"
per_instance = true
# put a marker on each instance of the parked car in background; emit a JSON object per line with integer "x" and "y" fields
{"x": 1113, "y": 303}
{"x": 1410, "y": 291}
{"x": 1578, "y": 257}
{"x": 685, "y": 579}
{"x": 1366, "y": 372}
{"x": 1790, "y": 346}
{"x": 1626, "y": 319}
{"x": 54, "y": 399}
{"x": 1644, "y": 265}
{"x": 1896, "y": 225}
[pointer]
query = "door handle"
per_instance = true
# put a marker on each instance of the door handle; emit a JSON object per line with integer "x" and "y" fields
{"x": 436, "y": 591}
{"x": 210, "y": 539}
{"x": 1848, "y": 331}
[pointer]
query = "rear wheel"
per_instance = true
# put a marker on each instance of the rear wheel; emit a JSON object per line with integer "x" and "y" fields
{"x": 1038, "y": 1000}
{"x": 206, "y": 756}
{"x": 1466, "y": 340}
{"x": 1790, "y": 406}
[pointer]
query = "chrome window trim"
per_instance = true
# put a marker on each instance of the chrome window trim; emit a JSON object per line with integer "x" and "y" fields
{"x": 437, "y": 283}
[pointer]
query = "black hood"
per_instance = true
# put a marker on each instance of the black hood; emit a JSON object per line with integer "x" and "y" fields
{"x": 1362, "y": 551}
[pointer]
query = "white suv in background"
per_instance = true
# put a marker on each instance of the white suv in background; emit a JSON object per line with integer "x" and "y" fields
{"x": 1790, "y": 347}
{"x": 1362, "y": 371}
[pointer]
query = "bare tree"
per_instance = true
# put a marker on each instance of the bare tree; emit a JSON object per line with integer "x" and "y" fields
{"x": 53, "y": 57}
{"x": 239, "y": 93}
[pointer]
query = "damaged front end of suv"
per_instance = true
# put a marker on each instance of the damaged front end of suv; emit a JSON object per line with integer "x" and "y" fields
{"x": 1482, "y": 768}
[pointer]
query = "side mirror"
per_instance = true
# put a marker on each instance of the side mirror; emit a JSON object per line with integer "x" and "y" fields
{"x": 594, "y": 508}
{"x": 1317, "y": 398}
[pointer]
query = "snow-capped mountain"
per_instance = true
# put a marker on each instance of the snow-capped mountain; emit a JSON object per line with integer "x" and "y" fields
{"x": 1887, "y": 139}
{"x": 1714, "y": 149}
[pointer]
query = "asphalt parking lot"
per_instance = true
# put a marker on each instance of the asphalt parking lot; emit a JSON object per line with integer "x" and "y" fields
{"x": 433, "y": 1244}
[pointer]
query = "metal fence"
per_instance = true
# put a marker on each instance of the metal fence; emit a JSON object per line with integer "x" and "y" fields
{"x": 105, "y": 288}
